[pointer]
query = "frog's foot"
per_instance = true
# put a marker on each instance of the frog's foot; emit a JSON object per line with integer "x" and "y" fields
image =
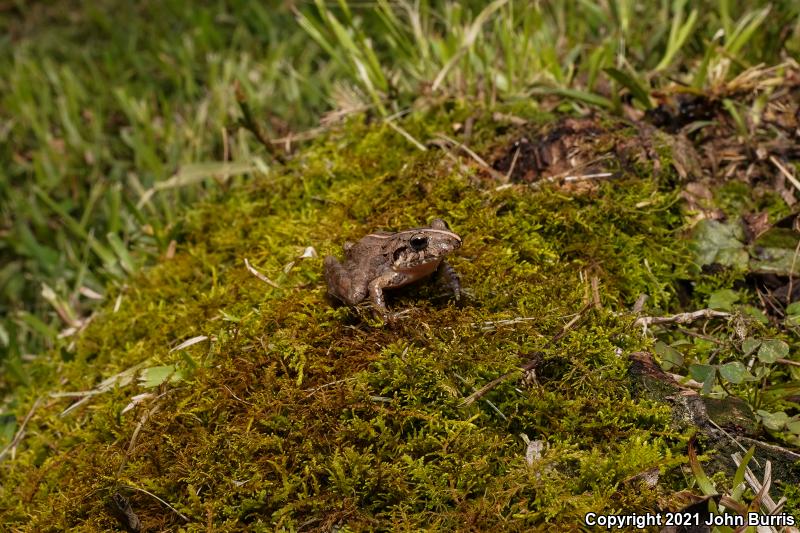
{"x": 388, "y": 317}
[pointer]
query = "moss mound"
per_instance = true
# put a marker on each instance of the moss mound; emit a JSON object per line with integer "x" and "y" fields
{"x": 295, "y": 415}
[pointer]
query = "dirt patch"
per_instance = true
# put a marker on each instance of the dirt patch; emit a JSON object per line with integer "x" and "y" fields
{"x": 747, "y": 130}
{"x": 575, "y": 149}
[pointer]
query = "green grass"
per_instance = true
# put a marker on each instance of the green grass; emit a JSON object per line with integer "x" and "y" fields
{"x": 103, "y": 104}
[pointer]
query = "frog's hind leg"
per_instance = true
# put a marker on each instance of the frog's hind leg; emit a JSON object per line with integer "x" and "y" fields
{"x": 448, "y": 273}
{"x": 340, "y": 283}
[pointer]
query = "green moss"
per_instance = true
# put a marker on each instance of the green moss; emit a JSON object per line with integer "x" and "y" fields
{"x": 297, "y": 415}
{"x": 736, "y": 197}
{"x": 792, "y": 494}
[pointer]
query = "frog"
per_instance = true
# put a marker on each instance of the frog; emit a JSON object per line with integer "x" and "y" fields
{"x": 386, "y": 260}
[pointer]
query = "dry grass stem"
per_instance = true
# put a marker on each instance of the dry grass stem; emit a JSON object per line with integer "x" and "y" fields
{"x": 680, "y": 318}
{"x": 407, "y": 135}
{"x": 259, "y": 275}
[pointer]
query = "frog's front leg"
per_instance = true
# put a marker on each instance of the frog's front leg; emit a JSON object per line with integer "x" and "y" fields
{"x": 340, "y": 282}
{"x": 451, "y": 278}
{"x": 376, "y": 286}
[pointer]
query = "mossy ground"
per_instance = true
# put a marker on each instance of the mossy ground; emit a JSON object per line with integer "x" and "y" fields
{"x": 300, "y": 416}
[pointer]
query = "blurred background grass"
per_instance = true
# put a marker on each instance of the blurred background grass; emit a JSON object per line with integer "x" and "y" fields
{"x": 114, "y": 117}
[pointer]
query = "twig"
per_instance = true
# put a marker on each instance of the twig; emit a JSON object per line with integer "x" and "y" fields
{"x": 481, "y": 161}
{"x": 135, "y": 436}
{"x": 734, "y": 441}
{"x": 490, "y": 325}
{"x": 788, "y": 175}
{"x": 478, "y": 159}
{"x": 527, "y": 366}
{"x": 21, "y": 431}
{"x": 489, "y": 402}
{"x": 680, "y": 318}
{"x": 513, "y": 164}
{"x": 787, "y": 362}
{"x": 234, "y": 396}
{"x": 259, "y": 275}
{"x": 572, "y": 178}
{"x": 120, "y": 379}
{"x": 157, "y": 498}
{"x": 449, "y": 153}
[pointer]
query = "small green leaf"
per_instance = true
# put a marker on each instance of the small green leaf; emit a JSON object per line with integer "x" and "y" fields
{"x": 701, "y": 373}
{"x": 703, "y": 481}
{"x": 738, "y": 477}
{"x": 762, "y": 372}
{"x": 723, "y": 299}
{"x": 771, "y": 350}
{"x": 715, "y": 242}
{"x": 749, "y": 345}
{"x": 156, "y": 375}
{"x": 709, "y": 384}
{"x": 773, "y": 421}
{"x": 793, "y": 314}
{"x": 735, "y": 372}
{"x": 794, "y": 427}
{"x": 670, "y": 357}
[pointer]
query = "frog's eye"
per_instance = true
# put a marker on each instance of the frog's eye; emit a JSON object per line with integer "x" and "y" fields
{"x": 418, "y": 243}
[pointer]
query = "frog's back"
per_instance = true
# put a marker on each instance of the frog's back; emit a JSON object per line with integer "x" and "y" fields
{"x": 371, "y": 254}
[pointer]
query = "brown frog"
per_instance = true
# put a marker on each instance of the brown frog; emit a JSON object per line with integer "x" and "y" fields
{"x": 385, "y": 260}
